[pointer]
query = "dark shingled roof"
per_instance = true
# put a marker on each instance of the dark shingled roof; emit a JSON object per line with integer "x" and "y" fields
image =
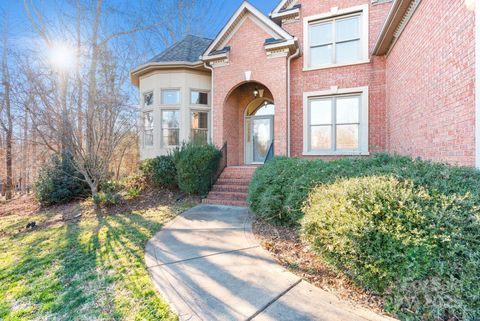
{"x": 188, "y": 49}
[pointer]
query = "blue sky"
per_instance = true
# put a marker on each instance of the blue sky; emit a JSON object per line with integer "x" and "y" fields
{"x": 18, "y": 21}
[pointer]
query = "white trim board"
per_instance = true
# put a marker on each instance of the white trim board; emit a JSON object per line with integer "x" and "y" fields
{"x": 282, "y": 5}
{"x": 477, "y": 84}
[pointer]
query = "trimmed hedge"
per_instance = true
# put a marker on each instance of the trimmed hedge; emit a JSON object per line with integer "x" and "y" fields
{"x": 406, "y": 229}
{"x": 278, "y": 187}
{"x": 60, "y": 182}
{"x": 196, "y": 165}
{"x": 160, "y": 171}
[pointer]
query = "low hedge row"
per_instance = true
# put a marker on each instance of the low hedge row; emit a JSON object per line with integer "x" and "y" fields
{"x": 189, "y": 168}
{"x": 406, "y": 229}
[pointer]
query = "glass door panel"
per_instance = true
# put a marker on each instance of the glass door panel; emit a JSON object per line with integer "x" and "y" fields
{"x": 262, "y": 132}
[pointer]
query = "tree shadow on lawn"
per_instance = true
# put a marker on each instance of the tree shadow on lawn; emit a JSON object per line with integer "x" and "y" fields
{"x": 84, "y": 270}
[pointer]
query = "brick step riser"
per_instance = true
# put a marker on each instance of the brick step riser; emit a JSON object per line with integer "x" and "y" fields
{"x": 225, "y": 202}
{"x": 227, "y": 196}
{"x": 230, "y": 188}
{"x": 232, "y": 181}
{"x": 235, "y": 176}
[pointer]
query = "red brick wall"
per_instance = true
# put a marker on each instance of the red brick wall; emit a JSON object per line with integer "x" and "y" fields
{"x": 371, "y": 74}
{"x": 248, "y": 54}
{"x": 430, "y": 85}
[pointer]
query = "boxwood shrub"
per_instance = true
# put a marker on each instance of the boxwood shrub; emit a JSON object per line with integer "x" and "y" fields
{"x": 160, "y": 171}
{"x": 414, "y": 244}
{"x": 196, "y": 165}
{"x": 407, "y": 229}
{"x": 279, "y": 187}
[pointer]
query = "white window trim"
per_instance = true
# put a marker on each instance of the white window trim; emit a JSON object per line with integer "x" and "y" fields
{"x": 334, "y": 13}
{"x": 143, "y": 112}
{"x": 209, "y": 98}
{"x": 209, "y": 126}
{"x": 162, "y": 144}
{"x": 363, "y": 128}
{"x": 171, "y": 89}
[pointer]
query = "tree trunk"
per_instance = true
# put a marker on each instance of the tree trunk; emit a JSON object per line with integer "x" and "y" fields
{"x": 9, "y": 126}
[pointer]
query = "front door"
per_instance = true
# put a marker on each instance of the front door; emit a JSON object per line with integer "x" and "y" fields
{"x": 262, "y": 137}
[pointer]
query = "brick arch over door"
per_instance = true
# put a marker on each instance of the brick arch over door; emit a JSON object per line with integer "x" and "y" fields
{"x": 248, "y": 55}
{"x": 233, "y": 115}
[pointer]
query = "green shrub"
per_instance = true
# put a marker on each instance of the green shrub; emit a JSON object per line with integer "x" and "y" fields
{"x": 133, "y": 192}
{"x": 271, "y": 191}
{"x": 107, "y": 198}
{"x": 59, "y": 182}
{"x": 411, "y": 242}
{"x": 407, "y": 229}
{"x": 196, "y": 166}
{"x": 160, "y": 171}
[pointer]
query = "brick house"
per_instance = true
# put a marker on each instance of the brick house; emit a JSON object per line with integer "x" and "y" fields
{"x": 322, "y": 79}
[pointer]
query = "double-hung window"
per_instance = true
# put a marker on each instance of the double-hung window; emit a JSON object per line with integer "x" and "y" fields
{"x": 148, "y": 129}
{"x": 336, "y": 124}
{"x": 198, "y": 97}
{"x": 338, "y": 40}
{"x": 199, "y": 132}
{"x": 170, "y": 96}
{"x": 170, "y": 128}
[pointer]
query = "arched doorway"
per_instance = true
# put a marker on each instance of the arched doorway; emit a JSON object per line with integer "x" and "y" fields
{"x": 259, "y": 129}
{"x": 252, "y": 103}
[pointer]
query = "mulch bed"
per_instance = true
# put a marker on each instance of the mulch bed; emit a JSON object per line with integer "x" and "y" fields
{"x": 297, "y": 256}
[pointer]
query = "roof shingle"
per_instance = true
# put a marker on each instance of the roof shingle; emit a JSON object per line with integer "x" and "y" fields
{"x": 189, "y": 49}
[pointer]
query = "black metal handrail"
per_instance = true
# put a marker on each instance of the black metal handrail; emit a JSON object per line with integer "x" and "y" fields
{"x": 270, "y": 153}
{"x": 221, "y": 164}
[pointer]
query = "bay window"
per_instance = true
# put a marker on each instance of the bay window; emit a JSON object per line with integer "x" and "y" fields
{"x": 199, "y": 121}
{"x": 148, "y": 129}
{"x": 170, "y": 128}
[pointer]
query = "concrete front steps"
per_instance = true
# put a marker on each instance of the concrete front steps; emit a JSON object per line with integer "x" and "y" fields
{"x": 231, "y": 187}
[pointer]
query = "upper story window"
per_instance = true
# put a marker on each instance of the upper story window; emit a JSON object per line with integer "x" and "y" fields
{"x": 148, "y": 128}
{"x": 198, "y": 97}
{"x": 170, "y": 96}
{"x": 148, "y": 99}
{"x": 337, "y": 39}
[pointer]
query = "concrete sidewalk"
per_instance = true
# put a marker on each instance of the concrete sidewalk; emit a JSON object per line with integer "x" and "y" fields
{"x": 208, "y": 266}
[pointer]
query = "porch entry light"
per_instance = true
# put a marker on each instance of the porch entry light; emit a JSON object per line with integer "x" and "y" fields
{"x": 258, "y": 92}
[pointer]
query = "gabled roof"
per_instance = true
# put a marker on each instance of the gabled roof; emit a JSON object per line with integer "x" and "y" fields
{"x": 189, "y": 49}
{"x": 238, "y": 17}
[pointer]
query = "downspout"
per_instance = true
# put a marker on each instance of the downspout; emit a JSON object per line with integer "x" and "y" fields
{"x": 295, "y": 55}
{"x": 211, "y": 99}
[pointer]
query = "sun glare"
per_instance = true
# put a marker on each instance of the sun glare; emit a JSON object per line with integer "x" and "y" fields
{"x": 62, "y": 57}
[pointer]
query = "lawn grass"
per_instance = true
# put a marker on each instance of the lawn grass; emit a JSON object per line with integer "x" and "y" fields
{"x": 88, "y": 269}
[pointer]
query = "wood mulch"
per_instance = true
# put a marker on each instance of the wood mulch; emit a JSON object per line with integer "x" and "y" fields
{"x": 297, "y": 256}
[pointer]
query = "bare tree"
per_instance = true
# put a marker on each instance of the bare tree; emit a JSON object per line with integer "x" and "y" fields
{"x": 6, "y": 122}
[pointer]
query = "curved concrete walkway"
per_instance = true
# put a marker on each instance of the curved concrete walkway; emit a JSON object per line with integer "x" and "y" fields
{"x": 208, "y": 265}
